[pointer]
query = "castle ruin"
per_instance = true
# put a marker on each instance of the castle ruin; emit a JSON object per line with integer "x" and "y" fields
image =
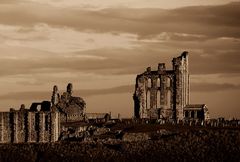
{"x": 42, "y": 121}
{"x": 165, "y": 94}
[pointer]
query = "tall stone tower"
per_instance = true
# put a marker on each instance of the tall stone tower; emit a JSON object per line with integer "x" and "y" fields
{"x": 181, "y": 97}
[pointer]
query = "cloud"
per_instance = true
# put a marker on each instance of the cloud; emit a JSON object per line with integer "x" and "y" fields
{"x": 96, "y": 4}
{"x": 59, "y": 40}
{"x": 213, "y": 21}
{"x": 46, "y": 95}
{"x": 115, "y": 61}
{"x": 117, "y": 41}
{"x": 213, "y": 87}
{"x": 42, "y": 95}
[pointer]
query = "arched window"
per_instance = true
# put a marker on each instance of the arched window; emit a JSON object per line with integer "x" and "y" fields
{"x": 149, "y": 83}
{"x": 186, "y": 114}
{"x": 158, "y": 82}
{"x": 38, "y": 107}
{"x": 192, "y": 114}
{"x": 148, "y": 100}
{"x": 158, "y": 99}
{"x": 168, "y": 82}
{"x": 46, "y": 123}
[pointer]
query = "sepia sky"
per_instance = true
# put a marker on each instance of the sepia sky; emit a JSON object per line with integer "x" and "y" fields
{"x": 101, "y": 45}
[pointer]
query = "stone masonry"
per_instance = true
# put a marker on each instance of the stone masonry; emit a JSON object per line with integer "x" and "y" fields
{"x": 41, "y": 122}
{"x": 164, "y": 94}
{"x": 71, "y": 108}
{"x": 23, "y": 125}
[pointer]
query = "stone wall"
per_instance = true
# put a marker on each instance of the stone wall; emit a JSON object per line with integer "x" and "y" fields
{"x": 162, "y": 93}
{"x": 26, "y": 126}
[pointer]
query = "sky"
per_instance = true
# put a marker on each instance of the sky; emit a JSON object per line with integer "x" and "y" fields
{"x": 100, "y": 47}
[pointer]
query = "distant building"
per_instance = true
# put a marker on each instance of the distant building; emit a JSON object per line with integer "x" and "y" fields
{"x": 98, "y": 117}
{"x": 71, "y": 108}
{"x": 164, "y": 94}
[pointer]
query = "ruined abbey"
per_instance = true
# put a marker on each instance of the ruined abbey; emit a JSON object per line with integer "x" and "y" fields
{"x": 164, "y": 94}
{"x": 159, "y": 95}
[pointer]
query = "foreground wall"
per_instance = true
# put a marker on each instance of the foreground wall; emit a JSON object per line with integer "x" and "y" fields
{"x": 27, "y": 126}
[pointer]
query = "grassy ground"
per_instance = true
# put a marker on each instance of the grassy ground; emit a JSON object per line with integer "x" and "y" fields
{"x": 186, "y": 144}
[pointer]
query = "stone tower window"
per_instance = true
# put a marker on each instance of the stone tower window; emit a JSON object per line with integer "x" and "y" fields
{"x": 168, "y": 82}
{"x": 46, "y": 123}
{"x": 158, "y": 82}
{"x": 149, "y": 82}
{"x": 38, "y": 107}
{"x": 192, "y": 114}
{"x": 186, "y": 114}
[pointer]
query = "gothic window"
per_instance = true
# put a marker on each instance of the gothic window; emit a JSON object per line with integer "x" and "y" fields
{"x": 186, "y": 114}
{"x": 168, "y": 82}
{"x": 158, "y": 82}
{"x": 149, "y": 83}
{"x": 192, "y": 114}
{"x": 199, "y": 114}
{"x": 37, "y": 120}
{"x": 46, "y": 123}
{"x": 38, "y": 107}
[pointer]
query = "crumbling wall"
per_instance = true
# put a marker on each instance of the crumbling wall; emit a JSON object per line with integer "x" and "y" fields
{"x": 5, "y": 127}
{"x": 71, "y": 108}
{"x": 27, "y": 126}
{"x": 163, "y": 93}
{"x": 180, "y": 67}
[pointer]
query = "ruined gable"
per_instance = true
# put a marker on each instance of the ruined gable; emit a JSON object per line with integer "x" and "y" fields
{"x": 163, "y": 94}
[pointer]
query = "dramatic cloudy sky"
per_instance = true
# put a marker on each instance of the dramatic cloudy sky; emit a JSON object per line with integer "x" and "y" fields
{"x": 100, "y": 46}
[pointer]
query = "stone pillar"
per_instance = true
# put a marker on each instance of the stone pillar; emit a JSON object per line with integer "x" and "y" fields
{"x": 162, "y": 89}
{"x": 70, "y": 89}
{"x": 54, "y": 127}
{"x": 6, "y": 128}
{"x": 28, "y": 126}
{"x": 15, "y": 127}
{"x": 20, "y": 126}
{"x": 32, "y": 125}
{"x": 55, "y": 96}
{"x": 180, "y": 68}
{"x": 41, "y": 126}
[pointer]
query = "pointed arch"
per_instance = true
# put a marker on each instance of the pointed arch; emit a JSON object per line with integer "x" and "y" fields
{"x": 158, "y": 82}
{"x": 168, "y": 82}
{"x": 149, "y": 82}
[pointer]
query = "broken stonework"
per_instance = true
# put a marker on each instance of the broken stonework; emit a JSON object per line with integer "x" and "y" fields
{"x": 71, "y": 108}
{"x": 164, "y": 94}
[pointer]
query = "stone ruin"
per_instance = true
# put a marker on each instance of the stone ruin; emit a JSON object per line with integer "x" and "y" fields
{"x": 71, "y": 108}
{"x": 41, "y": 123}
{"x": 165, "y": 94}
{"x": 29, "y": 125}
